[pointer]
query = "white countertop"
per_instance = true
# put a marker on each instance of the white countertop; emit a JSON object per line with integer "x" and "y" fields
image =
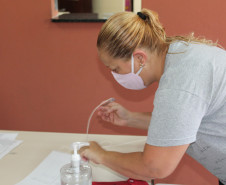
{"x": 36, "y": 146}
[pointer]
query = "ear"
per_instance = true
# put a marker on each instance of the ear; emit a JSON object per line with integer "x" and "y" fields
{"x": 140, "y": 56}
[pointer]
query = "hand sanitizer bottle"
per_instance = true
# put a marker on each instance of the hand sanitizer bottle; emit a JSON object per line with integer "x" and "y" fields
{"x": 78, "y": 172}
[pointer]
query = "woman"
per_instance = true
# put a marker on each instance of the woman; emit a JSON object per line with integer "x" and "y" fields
{"x": 190, "y": 103}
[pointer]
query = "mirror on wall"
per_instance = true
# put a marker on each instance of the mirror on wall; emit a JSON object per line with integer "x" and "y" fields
{"x": 90, "y": 10}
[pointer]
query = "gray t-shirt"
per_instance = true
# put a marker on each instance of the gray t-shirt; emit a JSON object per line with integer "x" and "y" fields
{"x": 190, "y": 105}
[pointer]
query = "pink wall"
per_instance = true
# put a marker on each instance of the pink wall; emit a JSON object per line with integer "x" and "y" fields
{"x": 51, "y": 79}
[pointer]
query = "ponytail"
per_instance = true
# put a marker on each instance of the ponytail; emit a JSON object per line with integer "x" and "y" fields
{"x": 123, "y": 32}
{"x": 154, "y": 23}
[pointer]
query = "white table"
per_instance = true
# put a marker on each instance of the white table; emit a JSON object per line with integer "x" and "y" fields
{"x": 36, "y": 146}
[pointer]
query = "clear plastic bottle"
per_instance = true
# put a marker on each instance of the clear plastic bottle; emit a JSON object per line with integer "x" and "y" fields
{"x": 77, "y": 172}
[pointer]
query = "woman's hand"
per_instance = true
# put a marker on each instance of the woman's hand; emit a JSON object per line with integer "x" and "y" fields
{"x": 115, "y": 114}
{"x": 94, "y": 152}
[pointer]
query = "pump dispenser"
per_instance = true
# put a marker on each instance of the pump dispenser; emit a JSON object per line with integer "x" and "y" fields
{"x": 78, "y": 172}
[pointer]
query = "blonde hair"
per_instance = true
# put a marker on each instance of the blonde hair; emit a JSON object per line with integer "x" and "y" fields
{"x": 123, "y": 32}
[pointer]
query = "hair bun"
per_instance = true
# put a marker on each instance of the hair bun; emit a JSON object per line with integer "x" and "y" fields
{"x": 142, "y": 16}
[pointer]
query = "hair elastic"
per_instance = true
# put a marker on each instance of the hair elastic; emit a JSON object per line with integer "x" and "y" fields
{"x": 142, "y": 16}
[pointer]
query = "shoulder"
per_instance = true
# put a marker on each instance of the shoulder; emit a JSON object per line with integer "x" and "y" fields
{"x": 189, "y": 67}
{"x": 194, "y": 50}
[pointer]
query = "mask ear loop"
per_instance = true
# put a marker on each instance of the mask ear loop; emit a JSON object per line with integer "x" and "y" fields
{"x": 132, "y": 67}
{"x": 138, "y": 72}
{"x": 132, "y": 64}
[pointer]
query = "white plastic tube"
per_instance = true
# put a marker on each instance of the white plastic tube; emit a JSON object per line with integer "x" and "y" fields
{"x": 94, "y": 110}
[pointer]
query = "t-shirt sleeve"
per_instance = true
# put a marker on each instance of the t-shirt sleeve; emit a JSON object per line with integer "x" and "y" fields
{"x": 176, "y": 118}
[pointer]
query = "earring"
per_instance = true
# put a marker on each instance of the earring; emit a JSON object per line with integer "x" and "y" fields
{"x": 141, "y": 65}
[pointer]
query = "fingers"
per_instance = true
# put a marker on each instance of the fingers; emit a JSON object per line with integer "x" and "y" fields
{"x": 107, "y": 112}
{"x": 91, "y": 145}
{"x": 111, "y": 107}
{"x": 113, "y": 113}
{"x": 85, "y": 159}
{"x": 112, "y": 104}
{"x": 82, "y": 152}
{"x": 111, "y": 117}
{"x": 92, "y": 152}
{"x": 106, "y": 118}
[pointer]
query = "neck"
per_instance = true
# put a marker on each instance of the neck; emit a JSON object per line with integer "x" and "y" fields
{"x": 162, "y": 64}
{"x": 154, "y": 67}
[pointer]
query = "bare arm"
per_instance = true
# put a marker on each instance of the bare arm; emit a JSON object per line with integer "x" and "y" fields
{"x": 118, "y": 115}
{"x": 139, "y": 120}
{"x": 153, "y": 162}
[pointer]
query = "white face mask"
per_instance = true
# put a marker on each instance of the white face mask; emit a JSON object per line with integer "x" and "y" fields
{"x": 131, "y": 80}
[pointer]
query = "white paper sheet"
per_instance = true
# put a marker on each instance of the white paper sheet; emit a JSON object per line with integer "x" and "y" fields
{"x": 48, "y": 171}
{"x": 7, "y": 143}
{"x": 8, "y": 136}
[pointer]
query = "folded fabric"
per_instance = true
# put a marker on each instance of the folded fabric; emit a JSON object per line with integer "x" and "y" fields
{"x": 128, "y": 182}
